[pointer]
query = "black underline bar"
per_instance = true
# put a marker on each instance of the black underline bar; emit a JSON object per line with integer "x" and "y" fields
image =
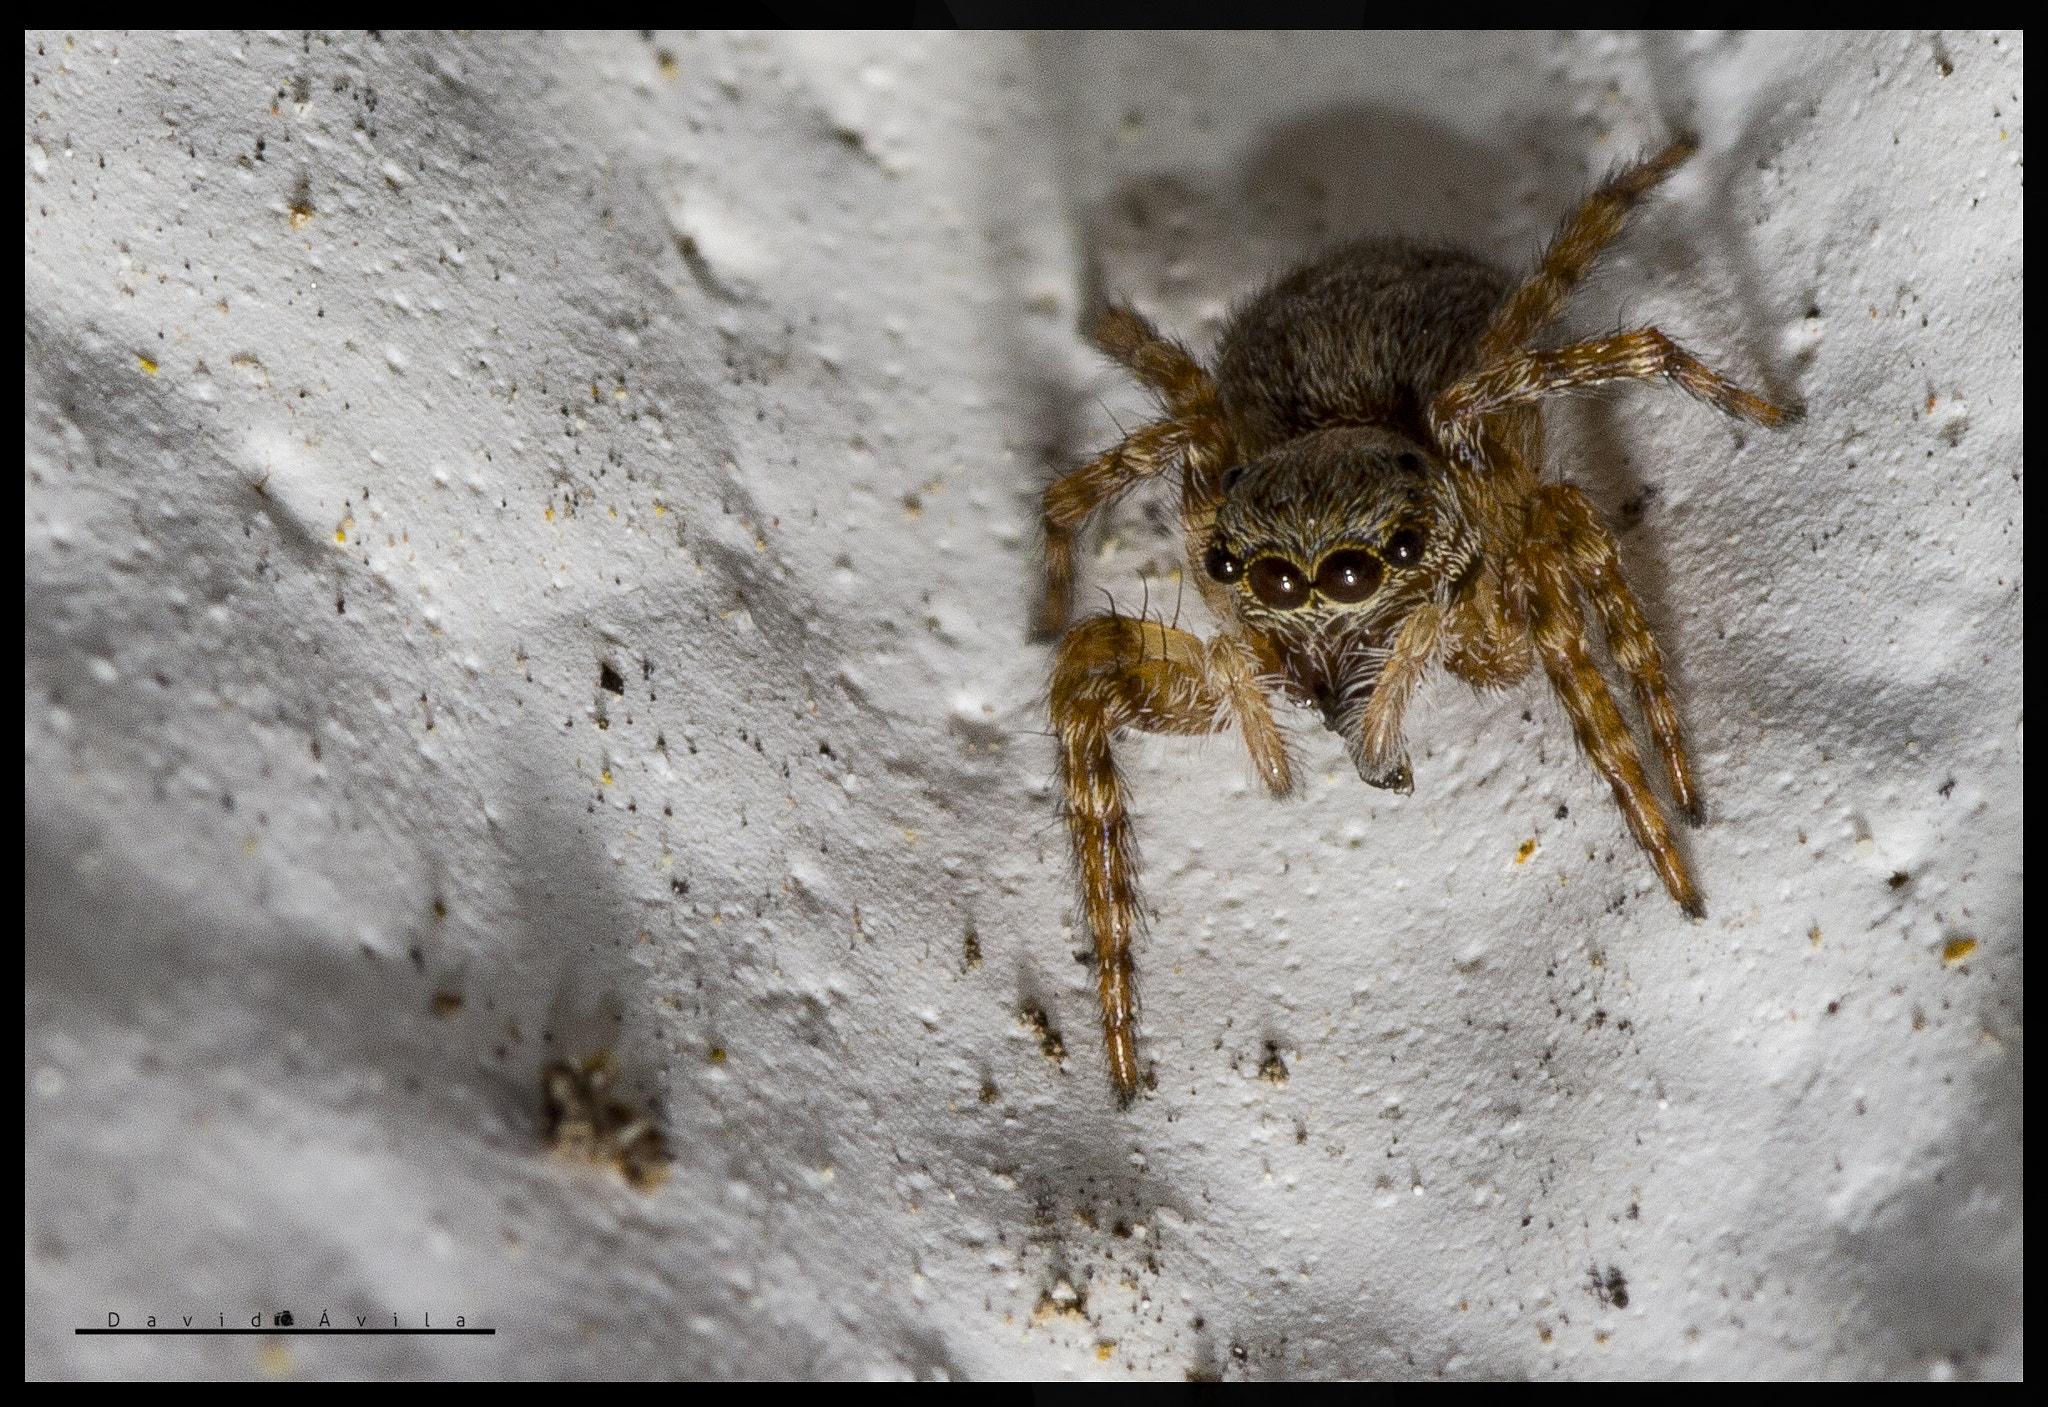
{"x": 294, "y": 1329}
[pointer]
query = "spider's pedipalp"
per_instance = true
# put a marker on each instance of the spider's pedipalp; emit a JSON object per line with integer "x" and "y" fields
{"x": 1070, "y": 500}
{"x": 1379, "y": 753}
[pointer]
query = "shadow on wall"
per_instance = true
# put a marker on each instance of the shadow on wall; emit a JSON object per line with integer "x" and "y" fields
{"x": 110, "y": 944}
{"x": 1931, "y": 1267}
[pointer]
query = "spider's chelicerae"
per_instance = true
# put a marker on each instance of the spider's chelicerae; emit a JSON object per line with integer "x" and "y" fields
{"x": 1360, "y": 491}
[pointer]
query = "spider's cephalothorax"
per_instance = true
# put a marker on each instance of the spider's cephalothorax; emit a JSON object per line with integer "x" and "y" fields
{"x": 1361, "y": 500}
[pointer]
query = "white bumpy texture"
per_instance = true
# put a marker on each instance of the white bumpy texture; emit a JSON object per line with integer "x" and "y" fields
{"x": 529, "y": 546}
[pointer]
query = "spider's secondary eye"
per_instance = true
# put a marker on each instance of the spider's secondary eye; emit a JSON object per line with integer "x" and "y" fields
{"x": 1221, "y": 565}
{"x": 1348, "y": 576}
{"x": 1410, "y": 462}
{"x": 1404, "y": 548}
{"x": 1231, "y": 476}
{"x": 1279, "y": 583}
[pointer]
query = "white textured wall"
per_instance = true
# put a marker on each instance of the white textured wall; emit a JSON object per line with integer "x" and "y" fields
{"x": 380, "y": 393}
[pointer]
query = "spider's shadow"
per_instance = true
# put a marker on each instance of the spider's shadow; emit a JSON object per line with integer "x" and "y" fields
{"x": 1182, "y": 245}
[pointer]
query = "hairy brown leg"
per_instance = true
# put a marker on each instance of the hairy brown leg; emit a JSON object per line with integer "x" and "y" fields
{"x": 1234, "y": 668}
{"x": 1115, "y": 672}
{"x": 1523, "y": 378}
{"x": 1378, "y": 751}
{"x": 1161, "y": 363}
{"x": 1145, "y": 453}
{"x": 1549, "y": 596}
{"x": 1189, "y": 395}
{"x": 1587, "y": 231}
{"x": 1193, "y": 435}
{"x": 1590, "y": 549}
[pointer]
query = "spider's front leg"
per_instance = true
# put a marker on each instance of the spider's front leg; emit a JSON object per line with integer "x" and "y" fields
{"x": 1115, "y": 672}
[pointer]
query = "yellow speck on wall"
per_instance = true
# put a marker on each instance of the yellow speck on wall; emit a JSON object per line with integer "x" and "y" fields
{"x": 148, "y": 366}
{"x": 1956, "y": 949}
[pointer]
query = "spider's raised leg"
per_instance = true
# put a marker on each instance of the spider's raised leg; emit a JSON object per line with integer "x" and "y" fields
{"x": 1115, "y": 672}
{"x": 1587, "y": 231}
{"x": 1192, "y": 437}
{"x": 1523, "y": 378}
{"x": 1147, "y": 452}
{"x": 1589, "y": 547}
{"x": 1158, "y": 361}
{"x": 1548, "y": 593}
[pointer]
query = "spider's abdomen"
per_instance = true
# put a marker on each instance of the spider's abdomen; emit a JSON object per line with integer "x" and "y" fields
{"x": 1364, "y": 336}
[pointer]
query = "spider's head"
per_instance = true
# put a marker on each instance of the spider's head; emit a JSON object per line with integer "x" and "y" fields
{"x": 1329, "y": 543}
{"x": 1342, "y": 532}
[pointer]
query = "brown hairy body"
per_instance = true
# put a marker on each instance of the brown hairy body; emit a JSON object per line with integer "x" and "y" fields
{"x": 1360, "y": 494}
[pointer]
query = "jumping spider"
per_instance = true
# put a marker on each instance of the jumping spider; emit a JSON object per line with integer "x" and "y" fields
{"x": 1359, "y": 487}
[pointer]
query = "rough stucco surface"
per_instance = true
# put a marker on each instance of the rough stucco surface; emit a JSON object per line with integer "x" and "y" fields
{"x": 386, "y": 398}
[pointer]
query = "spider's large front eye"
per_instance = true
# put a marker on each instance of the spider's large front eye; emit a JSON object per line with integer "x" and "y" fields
{"x": 1349, "y": 576}
{"x": 1221, "y": 565}
{"x": 1404, "y": 548}
{"x": 1278, "y": 583}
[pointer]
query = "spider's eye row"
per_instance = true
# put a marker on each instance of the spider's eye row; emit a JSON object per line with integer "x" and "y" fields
{"x": 1278, "y": 583}
{"x": 1404, "y": 548}
{"x": 1345, "y": 577}
{"x": 1349, "y": 576}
